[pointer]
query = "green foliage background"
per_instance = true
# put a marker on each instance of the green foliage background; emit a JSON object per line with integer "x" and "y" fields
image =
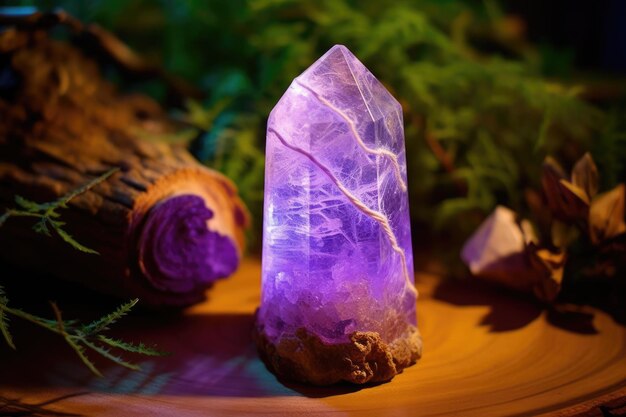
{"x": 492, "y": 112}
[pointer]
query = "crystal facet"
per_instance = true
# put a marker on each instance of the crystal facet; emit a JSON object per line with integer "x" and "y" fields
{"x": 337, "y": 260}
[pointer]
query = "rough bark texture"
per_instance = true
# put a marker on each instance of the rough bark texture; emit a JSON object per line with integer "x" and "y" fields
{"x": 365, "y": 358}
{"x": 165, "y": 226}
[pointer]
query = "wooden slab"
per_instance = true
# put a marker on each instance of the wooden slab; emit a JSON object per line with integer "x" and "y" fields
{"x": 486, "y": 354}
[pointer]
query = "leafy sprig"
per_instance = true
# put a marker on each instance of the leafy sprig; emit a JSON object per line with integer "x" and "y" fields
{"x": 47, "y": 214}
{"x": 80, "y": 337}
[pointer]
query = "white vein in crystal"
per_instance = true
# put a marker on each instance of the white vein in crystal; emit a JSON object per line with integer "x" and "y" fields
{"x": 378, "y": 217}
{"x": 357, "y": 83}
{"x": 378, "y": 151}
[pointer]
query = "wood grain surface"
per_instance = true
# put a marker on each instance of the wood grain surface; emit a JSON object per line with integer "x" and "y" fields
{"x": 486, "y": 353}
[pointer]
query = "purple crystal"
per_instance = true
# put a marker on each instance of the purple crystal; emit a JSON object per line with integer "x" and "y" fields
{"x": 337, "y": 241}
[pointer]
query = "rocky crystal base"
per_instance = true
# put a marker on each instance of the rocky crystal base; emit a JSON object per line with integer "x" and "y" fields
{"x": 338, "y": 300}
{"x": 364, "y": 358}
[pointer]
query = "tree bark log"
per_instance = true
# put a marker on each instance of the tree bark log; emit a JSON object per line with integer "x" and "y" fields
{"x": 165, "y": 226}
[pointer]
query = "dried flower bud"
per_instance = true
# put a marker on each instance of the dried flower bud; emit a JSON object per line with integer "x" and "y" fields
{"x": 585, "y": 175}
{"x": 566, "y": 201}
{"x": 550, "y": 266}
{"x": 606, "y": 217}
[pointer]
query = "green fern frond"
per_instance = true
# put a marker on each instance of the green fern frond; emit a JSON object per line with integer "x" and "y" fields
{"x": 104, "y": 322}
{"x": 70, "y": 340}
{"x": 62, "y": 202}
{"x": 106, "y": 353}
{"x": 79, "y": 336}
{"x": 42, "y": 227}
{"x": 131, "y": 347}
{"x": 82, "y": 354}
{"x": 69, "y": 239}
{"x": 26, "y": 204}
{"x": 46, "y": 212}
